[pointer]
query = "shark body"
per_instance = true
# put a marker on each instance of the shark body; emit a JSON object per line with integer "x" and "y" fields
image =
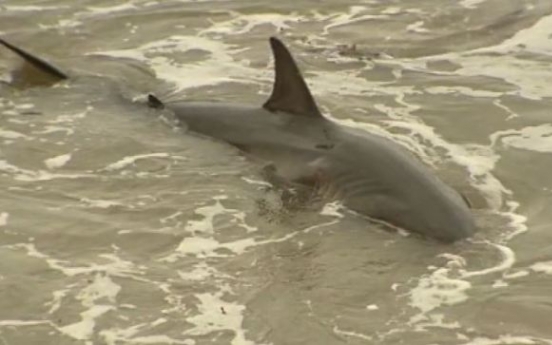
{"x": 372, "y": 175}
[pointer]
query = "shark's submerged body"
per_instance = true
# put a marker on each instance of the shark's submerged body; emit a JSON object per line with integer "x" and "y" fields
{"x": 372, "y": 175}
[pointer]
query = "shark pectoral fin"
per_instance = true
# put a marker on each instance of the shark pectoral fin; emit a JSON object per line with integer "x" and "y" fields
{"x": 34, "y": 71}
{"x": 290, "y": 92}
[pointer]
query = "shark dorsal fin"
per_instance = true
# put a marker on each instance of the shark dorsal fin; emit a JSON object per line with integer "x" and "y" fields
{"x": 290, "y": 93}
{"x": 154, "y": 102}
{"x": 53, "y": 73}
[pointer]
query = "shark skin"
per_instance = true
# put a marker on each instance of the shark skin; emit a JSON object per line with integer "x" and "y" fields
{"x": 370, "y": 174}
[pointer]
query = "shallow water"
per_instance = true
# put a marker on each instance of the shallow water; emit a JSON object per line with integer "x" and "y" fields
{"x": 118, "y": 228}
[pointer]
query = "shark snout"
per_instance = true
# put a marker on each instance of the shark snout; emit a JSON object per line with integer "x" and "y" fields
{"x": 451, "y": 223}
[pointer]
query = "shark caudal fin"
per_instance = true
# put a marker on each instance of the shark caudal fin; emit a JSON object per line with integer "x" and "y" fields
{"x": 290, "y": 93}
{"x": 34, "y": 71}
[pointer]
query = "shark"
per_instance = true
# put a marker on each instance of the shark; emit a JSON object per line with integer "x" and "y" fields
{"x": 370, "y": 174}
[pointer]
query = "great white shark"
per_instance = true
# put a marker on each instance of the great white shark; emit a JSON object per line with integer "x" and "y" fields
{"x": 370, "y": 174}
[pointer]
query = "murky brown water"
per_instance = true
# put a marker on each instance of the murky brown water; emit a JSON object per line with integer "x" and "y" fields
{"x": 116, "y": 228}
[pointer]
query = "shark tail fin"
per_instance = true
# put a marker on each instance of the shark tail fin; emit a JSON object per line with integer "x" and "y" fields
{"x": 290, "y": 92}
{"x": 38, "y": 71}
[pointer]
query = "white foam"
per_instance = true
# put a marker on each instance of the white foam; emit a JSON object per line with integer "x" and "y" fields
{"x": 531, "y": 82}
{"x": 518, "y": 222}
{"x": 157, "y": 339}
{"x": 115, "y": 266}
{"x": 372, "y": 307}
{"x": 434, "y": 320}
{"x": 159, "y": 321}
{"x": 54, "y": 129}
{"x": 435, "y": 290}
{"x": 24, "y": 106}
{"x": 443, "y": 287}
{"x": 58, "y": 296}
{"x": 531, "y": 78}
{"x": 200, "y": 272}
{"x": 99, "y": 203}
{"x": 510, "y": 112}
{"x": 499, "y": 283}
{"x": 7, "y": 134}
{"x": 332, "y": 209}
{"x": 507, "y": 340}
{"x": 84, "y": 329}
{"x": 239, "y": 218}
{"x": 353, "y": 15}
{"x": 4, "y": 218}
{"x": 209, "y": 247}
{"x": 71, "y": 118}
{"x": 349, "y": 83}
{"x": 471, "y": 4}
{"x": 220, "y": 66}
{"x": 209, "y": 212}
{"x": 103, "y": 289}
{"x": 57, "y": 161}
{"x": 533, "y": 138}
{"x": 243, "y": 23}
{"x": 462, "y": 90}
{"x": 507, "y": 262}
{"x": 542, "y": 267}
{"x": 351, "y": 334}
{"x": 129, "y": 160}
{"x": 117, "y": 336}
{"x": 98, "y": 297}
{"x": 23, "y": 323}
{"x": 417, "y": 27}
{"x": 30, "y": 8}
{"x": 61, "y": 24}
{"x": 206, "y": 246}
{"x": 535, "y": 39}
{"x": 205, "y": 224}
{"x": 392, "y": 10}
{"x": 453, "y": 261}
{"x": 215, "y": 314}
{"x": 111, "y": 9}
{"x": 198, "y": 246}
{"x": 516, "y": 275}
{"x": 256, "y": 182}
{"x": 38, "y": 175}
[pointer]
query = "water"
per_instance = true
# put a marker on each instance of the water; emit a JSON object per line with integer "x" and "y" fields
{"x": 118, "y": 228}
